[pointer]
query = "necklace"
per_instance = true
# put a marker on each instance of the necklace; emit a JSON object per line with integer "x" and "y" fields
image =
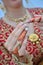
{"x": 19, "y": 19}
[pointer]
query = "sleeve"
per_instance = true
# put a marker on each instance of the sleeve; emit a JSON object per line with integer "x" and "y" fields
{"x": 36, "y": 11}
{"x": 37, "y": 14}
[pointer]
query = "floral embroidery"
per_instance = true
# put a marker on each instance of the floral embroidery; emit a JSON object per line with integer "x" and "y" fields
{"x": 5, "y": 30}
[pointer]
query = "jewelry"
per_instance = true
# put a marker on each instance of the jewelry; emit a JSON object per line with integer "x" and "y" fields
{"x": 33, "y": 37}
{"x": 26, "y": 28}
{"x": 17, "y": 19}
{"x": 2, "y": 7}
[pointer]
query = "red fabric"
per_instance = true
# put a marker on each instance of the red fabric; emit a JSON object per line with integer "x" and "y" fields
{"x": 5, "y": 30}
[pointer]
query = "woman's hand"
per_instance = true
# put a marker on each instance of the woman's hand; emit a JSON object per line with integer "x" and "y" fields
{"x": 12, "y": 39}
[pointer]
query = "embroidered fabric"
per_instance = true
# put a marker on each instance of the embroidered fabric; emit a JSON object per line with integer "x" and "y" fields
{"x": 7, "y": 58}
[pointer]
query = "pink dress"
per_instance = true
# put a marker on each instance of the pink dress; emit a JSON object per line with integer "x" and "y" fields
{"x": 5, "y": 30}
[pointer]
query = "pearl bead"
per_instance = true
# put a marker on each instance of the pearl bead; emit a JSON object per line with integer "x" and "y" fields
{"x": 33, "y": 43}
{"x": 37, "y": 42}
{"x": 26, "y": 28}
{"x": 39, "y": 39}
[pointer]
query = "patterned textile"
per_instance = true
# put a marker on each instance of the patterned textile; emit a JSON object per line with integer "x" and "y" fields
{"x": 6, "y": 58}
{"x": 36, "y": 11}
